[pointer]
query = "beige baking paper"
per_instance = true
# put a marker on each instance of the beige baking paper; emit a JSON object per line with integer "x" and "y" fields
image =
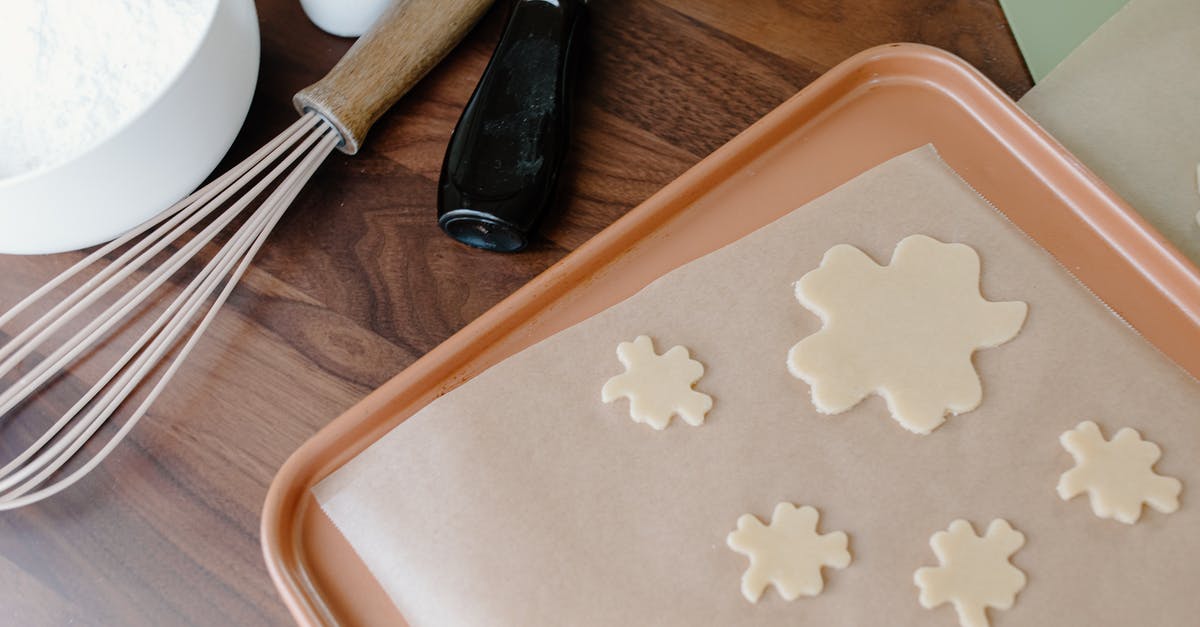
{"x": 521, "y": 499}
{"x": 1127, "y": 103}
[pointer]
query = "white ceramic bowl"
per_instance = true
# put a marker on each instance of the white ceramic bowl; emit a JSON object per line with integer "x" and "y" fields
{"x": 152, "y": 160}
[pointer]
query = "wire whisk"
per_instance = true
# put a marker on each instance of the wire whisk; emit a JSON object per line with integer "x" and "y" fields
{"x": 336, "y": 112}
{"x": 290, "y": 159}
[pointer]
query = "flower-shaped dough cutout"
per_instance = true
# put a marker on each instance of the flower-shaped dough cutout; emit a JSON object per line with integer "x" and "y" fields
{"x": 658, "y": 386}
{"x": 906, "y": 330}
{"x": 974, "y": 573}
{"x": 1118, "y": 475}
{"x": 788, "y": 553}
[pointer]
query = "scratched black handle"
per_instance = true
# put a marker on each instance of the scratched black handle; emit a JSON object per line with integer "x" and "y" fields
{"x": 501, "y": 166}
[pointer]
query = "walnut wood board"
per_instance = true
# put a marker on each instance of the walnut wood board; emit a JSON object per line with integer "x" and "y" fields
{"x": 357, "y": 282}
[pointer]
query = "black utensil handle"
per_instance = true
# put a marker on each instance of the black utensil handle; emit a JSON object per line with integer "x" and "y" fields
{"x": 500, "y": 169}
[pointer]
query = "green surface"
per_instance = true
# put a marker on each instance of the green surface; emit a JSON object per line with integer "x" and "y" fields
{"x": 1048, "y": 30}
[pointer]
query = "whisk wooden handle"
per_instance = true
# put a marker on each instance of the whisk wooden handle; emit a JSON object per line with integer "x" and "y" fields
{"x": 407, "y": 41}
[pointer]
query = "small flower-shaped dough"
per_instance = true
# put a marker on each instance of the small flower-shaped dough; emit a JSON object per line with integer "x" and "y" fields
{"x": 974, "y": 573}
{"x": 658, "y": 386}
{"x": 906, "y": 330}
{"x": 788, "y": 553}
{"x": 1117, "y": 475}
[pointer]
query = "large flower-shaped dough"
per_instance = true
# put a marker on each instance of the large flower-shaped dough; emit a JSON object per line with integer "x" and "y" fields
{"x": 658, "y": 386}
{"x": 905, "y": 330}
{"x": 788, "y": 553}
{"x": 974, "y": 573}
{"x": 1117, "y": 475}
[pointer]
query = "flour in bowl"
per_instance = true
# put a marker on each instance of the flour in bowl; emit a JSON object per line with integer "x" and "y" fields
{"x": 71, "y": 72}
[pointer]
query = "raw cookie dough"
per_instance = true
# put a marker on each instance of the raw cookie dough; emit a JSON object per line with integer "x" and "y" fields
{"x": 974, "y": 573}
{"x": 658, "y": 386}
{"x": 1118, "y": 475}
{"x": 905, "y": 330}
{"x": 788, "y": 553}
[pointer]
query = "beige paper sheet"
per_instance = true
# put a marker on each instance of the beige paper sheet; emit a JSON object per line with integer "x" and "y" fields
{"x": 521, "y": 499}
{"x": 1127, "y": 103}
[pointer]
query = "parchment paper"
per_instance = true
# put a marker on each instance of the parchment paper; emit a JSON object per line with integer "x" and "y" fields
{"x": 521, "y": 499}
{"x": 1127, "y": 103}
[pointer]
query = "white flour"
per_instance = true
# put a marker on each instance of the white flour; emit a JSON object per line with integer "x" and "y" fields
{"x": 73, "y": 71}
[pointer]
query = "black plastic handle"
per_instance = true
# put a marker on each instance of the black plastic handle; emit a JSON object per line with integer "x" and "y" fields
{"x": 500, "y": 169}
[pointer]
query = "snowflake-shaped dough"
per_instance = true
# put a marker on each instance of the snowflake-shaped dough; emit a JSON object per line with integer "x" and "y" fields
{"x": 906, "y": 330}
{"x": 788, "y": 553}
{"x": 658, "y": 386}
{"x": 1118, "y": 475}
{"x": 974, "y": 573}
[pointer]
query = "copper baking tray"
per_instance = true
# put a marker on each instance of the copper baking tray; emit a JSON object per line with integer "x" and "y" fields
{"x": 880, "y": 103}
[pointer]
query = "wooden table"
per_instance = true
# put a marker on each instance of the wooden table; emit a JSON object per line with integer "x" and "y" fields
{"x": 358, "y": 282}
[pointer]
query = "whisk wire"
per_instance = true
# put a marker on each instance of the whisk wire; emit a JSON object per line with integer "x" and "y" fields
{"x": 118, "y": 311}
{"x": 311, "y": 138}
{"x": 193, "y": 201}
{"x": 202, "y": 280}
{"x": 21, "y": 346}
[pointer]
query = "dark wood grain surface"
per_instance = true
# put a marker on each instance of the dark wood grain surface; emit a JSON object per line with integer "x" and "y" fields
{"x": 358, "y": 282}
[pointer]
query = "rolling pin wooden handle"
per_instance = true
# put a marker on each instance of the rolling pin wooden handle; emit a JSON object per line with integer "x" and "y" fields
{"x": 407, "y": 41}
